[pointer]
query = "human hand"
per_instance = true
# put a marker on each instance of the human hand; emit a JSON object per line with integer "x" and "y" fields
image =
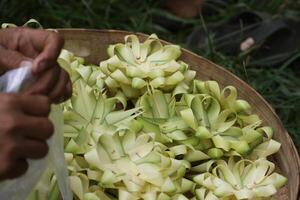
{"x": 41, "y": 47}
{"x": 24, "y": 129}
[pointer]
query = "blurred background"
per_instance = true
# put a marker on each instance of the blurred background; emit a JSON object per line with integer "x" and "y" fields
{"x": 258, "y": 40}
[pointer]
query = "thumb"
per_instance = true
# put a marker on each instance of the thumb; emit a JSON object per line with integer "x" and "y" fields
{"x": 10, "y": 59}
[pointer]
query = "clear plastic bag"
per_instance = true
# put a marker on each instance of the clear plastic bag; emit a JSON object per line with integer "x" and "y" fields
{"x": 18, "y": 189}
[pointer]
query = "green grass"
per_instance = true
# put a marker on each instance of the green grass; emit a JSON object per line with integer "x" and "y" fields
{"x": 280, "y": 85}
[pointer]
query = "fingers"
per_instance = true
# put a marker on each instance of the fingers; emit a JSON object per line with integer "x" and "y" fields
{"x": 13, "y": 160}
{"x": 54, "y": 83}
{"x": 49, "y": 44}
{"x": 23, "y": 126}
{"x": 62, "y": 89}
{"x": 10, "y": 59}
{"x": 24, "y": 129}
{"x": 40, "y": 45}
{"x": 32, "y": 119}
{"x": 13, "y": 157}
{"x": 45, "y": 82}
{"x": 19, "y": 168}
{"x": 28, "y": 149}
{"x": 34, "y": 105}
{"x": 13, "y": 168}
{"x": 19, "y": 44}
{"x": 37, "y": 128}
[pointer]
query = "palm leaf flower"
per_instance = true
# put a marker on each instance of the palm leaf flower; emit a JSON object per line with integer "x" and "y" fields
{"x": 134, "y": 66}
{"x": 241, "y": 179}
{"x": 208, "y": 121}
{"x": 78, "y": 70}
{"x": 138, "y": 167}
{"x": 90, "y": 110}
{"x": 133, "y": 166}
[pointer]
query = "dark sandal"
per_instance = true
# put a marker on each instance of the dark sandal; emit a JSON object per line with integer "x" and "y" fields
{"x": 274, "y": 40}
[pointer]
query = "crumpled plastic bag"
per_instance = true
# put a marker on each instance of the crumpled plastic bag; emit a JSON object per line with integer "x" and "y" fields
{"x": 14, "y": 81}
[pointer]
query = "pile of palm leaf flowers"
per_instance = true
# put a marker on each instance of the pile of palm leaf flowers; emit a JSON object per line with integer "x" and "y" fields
{"x": 139, "y": 126}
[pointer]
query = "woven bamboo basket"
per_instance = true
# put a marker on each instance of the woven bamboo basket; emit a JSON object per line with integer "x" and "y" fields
{"x": 92, "y": 45}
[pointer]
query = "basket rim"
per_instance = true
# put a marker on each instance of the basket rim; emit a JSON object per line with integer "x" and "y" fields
{"x": 288, "y": 137}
